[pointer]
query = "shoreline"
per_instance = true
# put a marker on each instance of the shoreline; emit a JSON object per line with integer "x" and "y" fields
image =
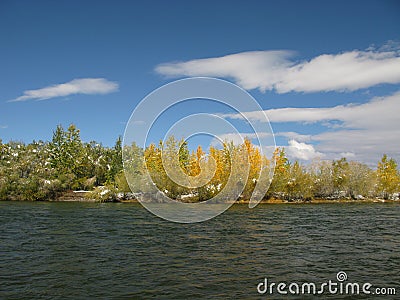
{"x": 79, "y": 198}
{"x": 82, "y": 196}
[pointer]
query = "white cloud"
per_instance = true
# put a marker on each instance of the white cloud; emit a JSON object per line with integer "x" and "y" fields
{"x": 251, "y": 70}
{"x": 295, "y": 136}
{"x": 88, "y": 86}
{"x": 347, "y": 71}
{"x": 367, "y": 145}
{"x": 302, "y": 151}
{"x": 380, "y": 112}
{"x": 3, "y": 126}
{"x": 390, "y": 45}
{"x": 366, "y": 130}
{"x": 274, "y": 70}
{"x": 347, "y": 154}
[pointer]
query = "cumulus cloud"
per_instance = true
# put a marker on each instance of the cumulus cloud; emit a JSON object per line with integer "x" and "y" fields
{"x": 302, "y": 151}
{"x": 88, "y": 86}
{"x": 276, "y": 70}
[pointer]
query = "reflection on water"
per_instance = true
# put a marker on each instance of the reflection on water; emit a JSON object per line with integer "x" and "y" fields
{"x": 60, "y": 250}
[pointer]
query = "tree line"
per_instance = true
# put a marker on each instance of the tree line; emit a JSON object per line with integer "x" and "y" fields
{"x": 45, "y": 170}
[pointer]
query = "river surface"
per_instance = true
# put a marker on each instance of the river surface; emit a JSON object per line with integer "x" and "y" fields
{"x": 120, "y": 251}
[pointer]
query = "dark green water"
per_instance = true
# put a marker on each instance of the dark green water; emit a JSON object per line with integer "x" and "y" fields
{"x": 87, "y": 250}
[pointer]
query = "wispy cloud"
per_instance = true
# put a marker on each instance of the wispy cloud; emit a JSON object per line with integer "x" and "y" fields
{"x": 379, "y": 112}
{"x": 347, "y": 71}
{"x": 88, "y": 86}
{"x": 3, "y": 126}
{"x": 251, "y": 70}
{"x": 364, "y": 131}
{"x": 276, "y": 70}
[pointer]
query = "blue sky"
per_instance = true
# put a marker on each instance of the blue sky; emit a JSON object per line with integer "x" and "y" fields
{"x": 102, "y": 57}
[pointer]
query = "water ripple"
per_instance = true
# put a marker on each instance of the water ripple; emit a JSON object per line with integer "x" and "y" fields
{"x": 81, "y": 250}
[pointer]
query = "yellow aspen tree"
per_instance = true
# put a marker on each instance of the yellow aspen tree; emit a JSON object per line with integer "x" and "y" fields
{"x": 387, "y": 177}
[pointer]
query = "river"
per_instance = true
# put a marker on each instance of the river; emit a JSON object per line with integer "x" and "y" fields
{"x": 54, "y": 250}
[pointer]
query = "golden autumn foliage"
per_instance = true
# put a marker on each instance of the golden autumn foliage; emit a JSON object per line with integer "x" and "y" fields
{"x": 387, "y": 176}
{"x": 42, "y": 170}
{"x": 291, "y": 181}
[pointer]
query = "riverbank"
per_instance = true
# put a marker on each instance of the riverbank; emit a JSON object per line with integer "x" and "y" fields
{"x": 84, "y": 196}
{"x": 321, "y": 201}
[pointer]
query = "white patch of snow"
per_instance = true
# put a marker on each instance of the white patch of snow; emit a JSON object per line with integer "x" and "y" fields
{"x": 102, "y": 193}
{"x": 187, "y": 196}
